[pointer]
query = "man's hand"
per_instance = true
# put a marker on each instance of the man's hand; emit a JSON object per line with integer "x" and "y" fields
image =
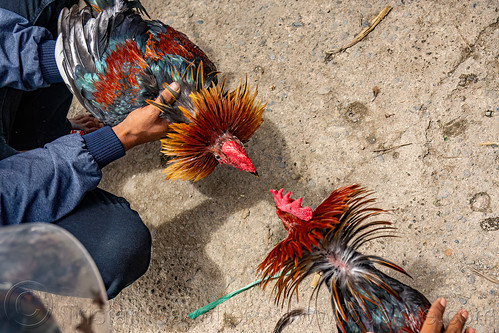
{"x": 434, "y": 322}
{"x": 86, "y": 123}
{"x": 144, "y": 124}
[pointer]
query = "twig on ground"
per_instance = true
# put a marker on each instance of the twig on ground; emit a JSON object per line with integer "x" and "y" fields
{"x": 489, "y": 143}
{"x": 385, "y": 150}
{"x": 375, "y": 93}
{"x": 486, "y": 277}
{"x": 363, "y": 33}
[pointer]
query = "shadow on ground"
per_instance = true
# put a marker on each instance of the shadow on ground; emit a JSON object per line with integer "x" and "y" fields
{"x": 182, "y": 277}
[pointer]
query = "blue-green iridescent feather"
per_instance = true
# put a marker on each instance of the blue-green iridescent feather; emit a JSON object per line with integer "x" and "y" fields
{"x": 94, "y": 40}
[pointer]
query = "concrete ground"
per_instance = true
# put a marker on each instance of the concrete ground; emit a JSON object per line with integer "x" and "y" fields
{"x": 418, "y": 145}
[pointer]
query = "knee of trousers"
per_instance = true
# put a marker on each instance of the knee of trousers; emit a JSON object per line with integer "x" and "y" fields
{"x": 127, "y": 254}
{"x": 114, "y": 235}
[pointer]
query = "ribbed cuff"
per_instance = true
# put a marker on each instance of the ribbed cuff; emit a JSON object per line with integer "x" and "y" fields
{"x": 46, "y": 54}
{"x": 104, "y": 146}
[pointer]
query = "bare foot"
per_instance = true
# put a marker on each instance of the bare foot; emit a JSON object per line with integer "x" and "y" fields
{"x": 85, "y": 123}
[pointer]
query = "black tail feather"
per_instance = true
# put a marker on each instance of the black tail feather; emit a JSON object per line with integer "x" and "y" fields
{"x": 289, "y": 317}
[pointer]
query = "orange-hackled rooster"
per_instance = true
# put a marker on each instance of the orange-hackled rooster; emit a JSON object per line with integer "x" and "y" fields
{"x": 326, "y": 241}
{"x": 114, "y": 61}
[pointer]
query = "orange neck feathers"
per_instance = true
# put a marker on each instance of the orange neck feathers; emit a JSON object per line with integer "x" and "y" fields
{"x": 305, "y": 228}
{"x": 195, "y": 147}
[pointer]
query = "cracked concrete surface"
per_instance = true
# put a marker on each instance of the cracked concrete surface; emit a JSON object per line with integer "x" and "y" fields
{"x": 417, "y": 145}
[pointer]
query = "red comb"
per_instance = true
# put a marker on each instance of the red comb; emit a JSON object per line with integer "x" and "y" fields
{"x": 291, "y": 206}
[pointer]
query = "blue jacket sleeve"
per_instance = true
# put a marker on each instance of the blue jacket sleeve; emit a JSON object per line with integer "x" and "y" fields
{"x": 44, "y": 184}
{"x": 27, "y": 59}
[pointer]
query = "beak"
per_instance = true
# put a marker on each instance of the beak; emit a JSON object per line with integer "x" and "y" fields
{"x": 255, "y": 173}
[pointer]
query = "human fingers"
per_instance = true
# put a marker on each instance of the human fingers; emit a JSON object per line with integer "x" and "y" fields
{"x": 170, "y": 94}
{"x": 167, "y": 96}
{"x": 457, "y": 322}
{"x": 434, "y": 322}
{"x": 161, "y": 104}
{"x": 90, "y": 122}
{"x": 84, "y": 120}
{"x": 81, "y": 116}
{"x": 144, "y": 124}
{"x": 87, "y": 125}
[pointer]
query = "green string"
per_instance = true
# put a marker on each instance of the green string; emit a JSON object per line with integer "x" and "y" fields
{"x": 222, "y": 299}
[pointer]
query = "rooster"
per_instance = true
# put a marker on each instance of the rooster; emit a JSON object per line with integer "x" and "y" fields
{"x": 326, "y": 242}
{"x": 114, "y": 61}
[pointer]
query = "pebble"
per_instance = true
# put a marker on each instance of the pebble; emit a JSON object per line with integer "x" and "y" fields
{"x": 245, "y": 213}
{"x": 471, "y": 279}
{"x": 297, "y": 24}
{"x": 259, "y": 70}
{"x": 462, "y": 301}
{"x": 323, "y": 90}
{"x": 371, "y": 139}
{"x": 442, "y": 194}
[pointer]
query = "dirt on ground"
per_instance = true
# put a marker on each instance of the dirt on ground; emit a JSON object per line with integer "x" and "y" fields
{"x": 427, "y": 144}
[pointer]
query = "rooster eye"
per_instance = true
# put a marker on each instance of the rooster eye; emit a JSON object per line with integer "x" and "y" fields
{"x": 217, "y": 157}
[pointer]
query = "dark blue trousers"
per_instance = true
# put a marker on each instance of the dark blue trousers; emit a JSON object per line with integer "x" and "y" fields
{"x": 113, "y": 233}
